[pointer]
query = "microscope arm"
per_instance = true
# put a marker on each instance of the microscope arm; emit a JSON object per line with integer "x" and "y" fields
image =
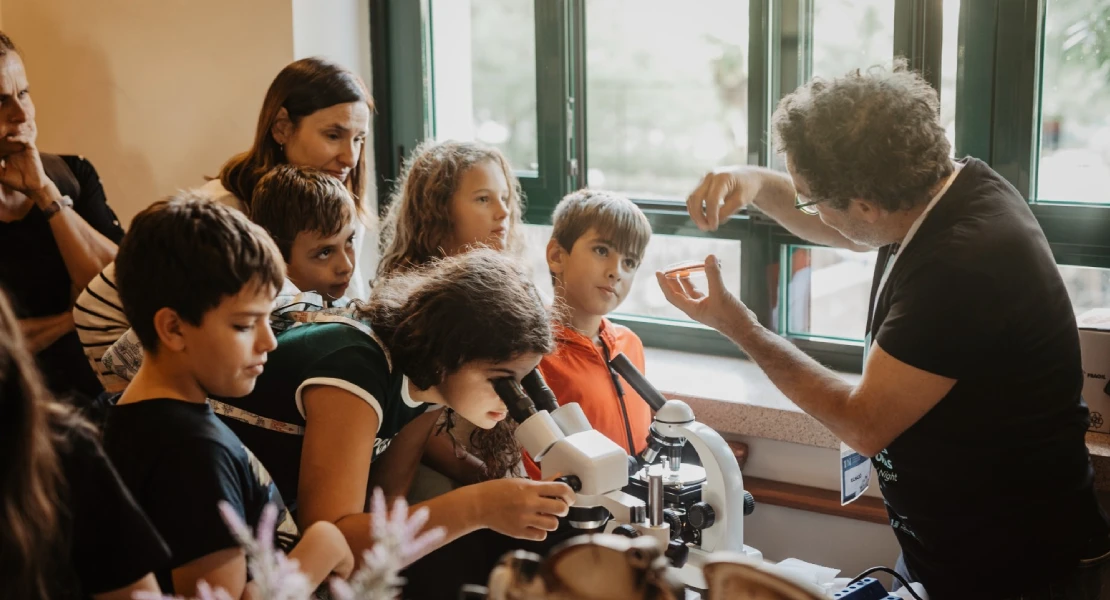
{"x": 724, "y": 488}
{"x": 724, "y": 485}
{"x": 625, "y": 508}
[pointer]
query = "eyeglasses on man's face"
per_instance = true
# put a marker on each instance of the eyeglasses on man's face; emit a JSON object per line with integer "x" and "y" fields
{"x": 806, "y": 205}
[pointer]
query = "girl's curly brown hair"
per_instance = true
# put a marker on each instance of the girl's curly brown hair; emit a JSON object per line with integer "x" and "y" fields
{"x": 873, "y": 135}
{"x": 419, "y": 221}
{"x": 496, "y": 447}
{"x": 435, "y": 318}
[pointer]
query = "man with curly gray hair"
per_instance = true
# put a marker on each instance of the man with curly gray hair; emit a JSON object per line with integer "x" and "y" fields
{"x": 969, "y": 404}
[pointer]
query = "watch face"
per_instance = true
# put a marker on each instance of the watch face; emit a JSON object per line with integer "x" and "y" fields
{"x": 57, "y": 206}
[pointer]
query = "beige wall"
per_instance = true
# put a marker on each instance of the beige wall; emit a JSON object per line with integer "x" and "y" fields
{"x": 159, "y": 94}
{"x": 156, "y": 94}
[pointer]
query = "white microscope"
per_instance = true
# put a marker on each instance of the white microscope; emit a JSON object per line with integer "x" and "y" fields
{"x": 692, "y": 511}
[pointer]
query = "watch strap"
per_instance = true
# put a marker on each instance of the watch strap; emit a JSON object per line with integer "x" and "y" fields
{"x": 57, "y": 206}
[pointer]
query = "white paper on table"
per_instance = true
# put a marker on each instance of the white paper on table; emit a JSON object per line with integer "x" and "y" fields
{"x": 809, "y": 572}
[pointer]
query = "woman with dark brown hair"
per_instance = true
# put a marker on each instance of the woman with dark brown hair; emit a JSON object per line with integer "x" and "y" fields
{"x": 68, "y": 527}
{"x": 315, "y": 114}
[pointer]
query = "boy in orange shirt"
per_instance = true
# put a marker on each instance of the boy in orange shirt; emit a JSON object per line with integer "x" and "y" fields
{"x": 594, "y": 253}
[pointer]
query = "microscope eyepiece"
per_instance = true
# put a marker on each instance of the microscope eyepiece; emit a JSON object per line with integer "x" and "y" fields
{"x": 536, "y": 388}
{"x": 655, "y": 445}
{"x": 518, "y": 403}
{"x": 628, "y": 371}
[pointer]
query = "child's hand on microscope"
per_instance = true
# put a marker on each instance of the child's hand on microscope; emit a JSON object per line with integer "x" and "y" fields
{"x": 523, "y": 508}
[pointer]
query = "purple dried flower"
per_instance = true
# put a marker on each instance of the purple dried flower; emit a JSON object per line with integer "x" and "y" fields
{"x": 276, "y": 576}
{"x": 341, "y": 589}
{"x": 204, "y": 592}
{"x": 396, "y": 545}
{"x": 267, "y": 523}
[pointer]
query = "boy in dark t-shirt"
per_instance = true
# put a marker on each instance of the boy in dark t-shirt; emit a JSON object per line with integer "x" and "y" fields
{"x": 197, "y": 281}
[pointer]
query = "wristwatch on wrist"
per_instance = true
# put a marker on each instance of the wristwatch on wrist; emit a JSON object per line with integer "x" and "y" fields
{"x": 56, "y": 206}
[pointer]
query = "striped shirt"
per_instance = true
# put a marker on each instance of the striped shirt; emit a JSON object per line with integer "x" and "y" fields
{"x": 99, "y": 320}
{"x": 98, "y": 313}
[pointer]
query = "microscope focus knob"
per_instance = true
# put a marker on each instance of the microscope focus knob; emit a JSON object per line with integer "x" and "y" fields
{"x": 571, "y": 480}
{"x": 673, "y": 519}
{"x": 749, "y": 503}
{"x": 677, "y": 552}
{"x": 626, "y": 530}
{"x": 701, "y": 515}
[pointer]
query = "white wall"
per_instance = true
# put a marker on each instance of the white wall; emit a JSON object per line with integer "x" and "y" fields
{"x": 336, "y": 29}
{"x": 340, "y": 30}
{"x": 780, "y": 533}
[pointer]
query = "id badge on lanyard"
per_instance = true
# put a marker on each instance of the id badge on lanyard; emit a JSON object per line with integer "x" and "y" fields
{"x": 855, "y": 469}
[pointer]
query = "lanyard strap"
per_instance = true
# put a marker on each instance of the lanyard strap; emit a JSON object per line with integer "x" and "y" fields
{"x": 326, "y": 317}
{"x": 245, "y": 416}
{"x": 296, "y": 317}
{"x": 893, "y": 258}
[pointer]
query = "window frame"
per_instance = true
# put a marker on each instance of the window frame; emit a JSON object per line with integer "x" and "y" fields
{"x": 1001, "y": 129}
{"x": 998, "y": 120}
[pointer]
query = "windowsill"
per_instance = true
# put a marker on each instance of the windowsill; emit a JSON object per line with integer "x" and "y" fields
{"x": 733, "y": 396}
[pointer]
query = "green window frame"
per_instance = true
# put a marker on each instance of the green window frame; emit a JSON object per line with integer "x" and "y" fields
{"x": 999, "y": 128}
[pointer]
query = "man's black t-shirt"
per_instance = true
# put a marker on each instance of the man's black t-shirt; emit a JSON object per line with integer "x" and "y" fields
{"x": 180, "y": 460}
{"x": 111, "y": 543}
{"x": 996, "y": 478}
{"x": 35, "y": 276}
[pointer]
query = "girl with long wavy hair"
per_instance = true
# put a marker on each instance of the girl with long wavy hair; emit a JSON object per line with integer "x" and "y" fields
{"x": 453, "y": 197}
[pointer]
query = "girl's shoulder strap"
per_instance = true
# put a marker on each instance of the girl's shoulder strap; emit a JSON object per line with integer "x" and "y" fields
{"x": 343, "y": 316}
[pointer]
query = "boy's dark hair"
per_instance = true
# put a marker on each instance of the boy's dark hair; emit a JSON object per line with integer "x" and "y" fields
{"x": 290, "y": 199}
{"x": 187, "y": 253}
{"x": 478, "y": 305}
{"x": 614, "y": 217}
{"x": 873, "y": 135}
